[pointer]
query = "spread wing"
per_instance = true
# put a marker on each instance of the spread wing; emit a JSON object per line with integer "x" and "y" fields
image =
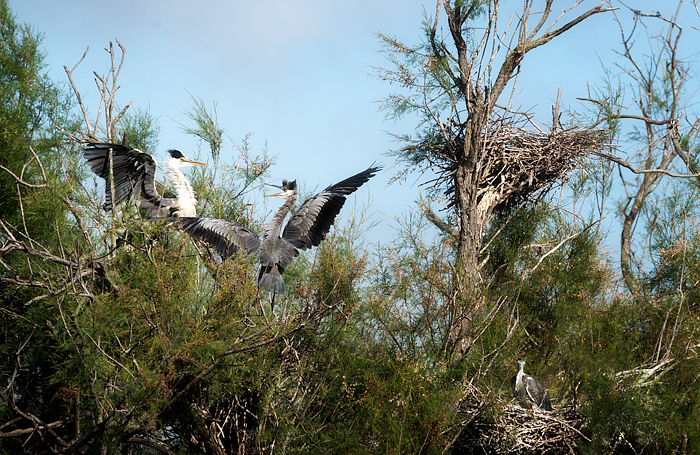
{"x": 313, "y": 220}
{"x": 134, "y": 172}
{"x": 225, "y": 237}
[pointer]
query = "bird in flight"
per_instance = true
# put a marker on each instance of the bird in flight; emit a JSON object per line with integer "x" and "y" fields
{"x": 277, "y": 249}
{"x": 134, "y": 173}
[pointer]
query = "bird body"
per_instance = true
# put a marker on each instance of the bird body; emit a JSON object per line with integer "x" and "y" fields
{"x": 186, "y": 202}
{"x": 278, "y": 248}
{"x": 528, "y": 390}
{"x": 134, "y": 174}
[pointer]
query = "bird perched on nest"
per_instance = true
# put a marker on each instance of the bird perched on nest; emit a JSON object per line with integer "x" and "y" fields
{"x": 529, "y": 391}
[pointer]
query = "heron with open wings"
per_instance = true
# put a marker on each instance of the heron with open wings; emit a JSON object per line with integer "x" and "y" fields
{"x": 277, "y": 248}
{"x": 133, "y": 173}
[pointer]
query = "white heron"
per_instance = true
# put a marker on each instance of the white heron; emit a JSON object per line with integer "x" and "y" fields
{"x": 134, "y": 173}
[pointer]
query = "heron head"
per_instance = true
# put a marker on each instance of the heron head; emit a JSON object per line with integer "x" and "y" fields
{"x": 288, "y": 189}
{"x": 521, "y": 363}
{"x": 182, "y": 160}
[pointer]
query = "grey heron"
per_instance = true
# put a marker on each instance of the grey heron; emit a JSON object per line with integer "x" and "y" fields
{"x": 134, "y": 173}
{"x": 529, "y": 391}
{"x": 277, "y": 249}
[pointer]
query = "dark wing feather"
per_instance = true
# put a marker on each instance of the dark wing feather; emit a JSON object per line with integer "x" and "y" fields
{"x": 313, "y": 220}
{"x": 521, "y": 392}
{"x": 224, "y": 236}
{"x": 133, "y": 170}
{"x": 275, "y": 256}
{"x": 537, "y": 393}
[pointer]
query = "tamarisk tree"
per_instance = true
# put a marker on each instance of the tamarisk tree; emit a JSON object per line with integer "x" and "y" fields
{"x": 483, "y": 157}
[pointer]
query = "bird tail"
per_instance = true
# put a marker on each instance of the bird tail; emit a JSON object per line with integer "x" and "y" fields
{"x": 270, "y": 279}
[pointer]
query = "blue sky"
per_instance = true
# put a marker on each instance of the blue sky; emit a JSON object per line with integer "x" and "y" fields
{"x": 294, "y": 74}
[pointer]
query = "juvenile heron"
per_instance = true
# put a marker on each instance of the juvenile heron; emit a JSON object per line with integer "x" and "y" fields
{"x": 134, "y": 173}
{"x": 529, "y": 391}
{"x": 305, "y": 229}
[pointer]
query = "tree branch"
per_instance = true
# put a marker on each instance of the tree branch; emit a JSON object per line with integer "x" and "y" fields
{"x": 572, "y": 236}
{"x": 150, "y": 445}
{"x": 22, "y": 182}
{"x": 515, "y": 57}
{"x": 627, "y": 165}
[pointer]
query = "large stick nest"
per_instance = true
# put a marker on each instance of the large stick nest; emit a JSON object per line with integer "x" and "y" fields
{"x": 521, "y": 161}
{"x": 515, "y": 162}
{"x": 510, "y": 429}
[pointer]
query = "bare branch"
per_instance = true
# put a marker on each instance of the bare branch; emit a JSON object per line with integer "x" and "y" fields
{"x": 556, "y": 123}
{"x": 433, "y": 218}
{"x": 90, "y": 129}
{"x": 626, "y": 164}
{"x": 515, "y": 57}
{"x": 70, "y": 136}
{"x": 150, "y": 444}
{"x": 21, "y": 431}
{"x": 22, "y": 182}
{"x": 559, "y": 245}
{"x": 78, "y": 218}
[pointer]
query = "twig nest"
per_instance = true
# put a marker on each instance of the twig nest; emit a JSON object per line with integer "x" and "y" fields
{"x": 517, "y": 162}
{"x": 522, "y": 161}
{"x": 514, "y": 430}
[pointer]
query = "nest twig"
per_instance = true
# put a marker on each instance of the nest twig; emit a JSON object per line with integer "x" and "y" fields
{"x": 514, "y": 430}
{"x": 515, "y": 162}
{"x": 510, "y": 429}
{"x": 522, "y": 161}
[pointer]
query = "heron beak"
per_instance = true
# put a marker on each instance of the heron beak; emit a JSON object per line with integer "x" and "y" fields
{"x": 281, "y": 195}
{"x": 187, "y": 162}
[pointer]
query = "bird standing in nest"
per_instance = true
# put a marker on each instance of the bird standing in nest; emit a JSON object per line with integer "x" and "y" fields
{"x": 529, "y": 392}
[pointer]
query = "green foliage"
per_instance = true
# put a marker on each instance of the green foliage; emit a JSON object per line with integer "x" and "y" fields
{"x": 37, "y": 179}
{"x": 164, "y": 338}
{"x": 206, "y": 126}
{"x": 553, "y": 285}
{"x": 141, "y": 130}
{"x": 29, "y": 104}
{"x": 358, "y": 398}
{"x": 412, "y": 285}
{"x": 118, "y": 344}
{"x": 674, "y": 246}
{"x": 628, "y": 415}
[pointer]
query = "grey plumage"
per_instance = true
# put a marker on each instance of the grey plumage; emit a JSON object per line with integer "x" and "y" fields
{"x": 275, "y": 252}
{"x": 528, "y": 390}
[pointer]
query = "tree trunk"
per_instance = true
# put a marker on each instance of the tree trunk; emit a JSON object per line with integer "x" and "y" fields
{"x": 474, "y": 209}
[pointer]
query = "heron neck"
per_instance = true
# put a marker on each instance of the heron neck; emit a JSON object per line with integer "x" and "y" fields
{"x": 186, "y": 202}
{"x": 519, "y": 377}
{"x": 274, "y": 227}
